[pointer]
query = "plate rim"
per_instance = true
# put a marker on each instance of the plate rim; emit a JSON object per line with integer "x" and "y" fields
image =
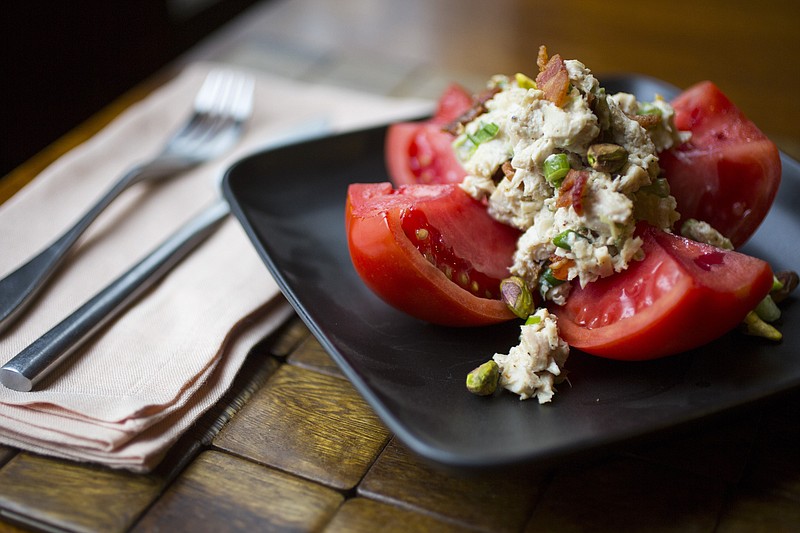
{"x": 395, "y": 426}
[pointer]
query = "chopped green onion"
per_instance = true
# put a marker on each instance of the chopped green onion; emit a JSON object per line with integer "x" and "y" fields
{"x": 466, "y": 143}
{"x": 485, "y": 133}
{"x": 646, "y": 108}
{"x": 533, "y": 319}
{"x": 547, "y": 281}
{"x": 549, "y": 277}
{"x": 556, "y": 167}
{"x": 460, "y": 141}
{"x": 463, "y": 147}
{"x": 565, "y": 239}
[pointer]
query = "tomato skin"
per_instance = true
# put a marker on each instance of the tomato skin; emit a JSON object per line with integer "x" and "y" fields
{"x": 728, "y": 173}
{"x": 395, "y": 270}
{"x": 421, "y": 152}
{"x": 683, "y": 295}
{"x": 452, "y": 103}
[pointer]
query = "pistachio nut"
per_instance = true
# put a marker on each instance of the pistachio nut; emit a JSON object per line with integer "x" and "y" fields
{"x": 753, "y": 325}
{"x": 659, "y": 187}
{"x": 515, "y": 293}
{"x": 701, "y": 231}
{"x": 788, "y": 281}
{"x": 767, "y": 310}
{"x": 483, "y": 380}
{"x": 607, "y": 157}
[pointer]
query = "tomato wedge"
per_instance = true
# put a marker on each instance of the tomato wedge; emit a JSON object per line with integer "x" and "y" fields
{"x": 431, "y": 251}
{"x": 452, "y": 103}
{"x": 421, "y": 152}
{"x": 682, "y": 295}
{"x": 728, "y": 173}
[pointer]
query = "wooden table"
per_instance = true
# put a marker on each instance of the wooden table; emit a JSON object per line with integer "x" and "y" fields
{"x": 293, "y": 447}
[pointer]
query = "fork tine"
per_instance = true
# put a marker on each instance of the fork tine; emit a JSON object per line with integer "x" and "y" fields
{"x": 242, "y": 103}
{"x": 227, "y": 93}
{"x": 224, "y": 102}
{"x": 208, "y": 94}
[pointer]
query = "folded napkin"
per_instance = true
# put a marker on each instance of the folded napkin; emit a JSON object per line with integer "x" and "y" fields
{"x": 129, "y": 393}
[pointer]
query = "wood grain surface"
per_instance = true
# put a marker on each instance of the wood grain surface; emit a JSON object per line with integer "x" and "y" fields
{"x": 220, "y": 492}
{"x": 300, "y": 451}
{"x": 310, "y": 424}
{"x": 74, "y": 496}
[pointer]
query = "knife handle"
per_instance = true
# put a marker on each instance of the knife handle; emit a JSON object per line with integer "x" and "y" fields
{"x": 33, "y": 363}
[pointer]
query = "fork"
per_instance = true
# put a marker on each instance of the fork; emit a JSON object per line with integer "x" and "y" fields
{"x": 222, "y": 105}
{"x": 42, "y": 356}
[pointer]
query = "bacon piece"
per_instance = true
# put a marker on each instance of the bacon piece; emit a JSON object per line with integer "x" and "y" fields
{"x": 508, "y": 170}
{"x": 503, "y": 171}
{"x": 554, "y": 80}
{"x": 646, "y": 121}
{"x": 560, "y": 266}
{"x": 572, "y": 190}
{"x": 541, "y": 58}
{"x": 477, "y": 109}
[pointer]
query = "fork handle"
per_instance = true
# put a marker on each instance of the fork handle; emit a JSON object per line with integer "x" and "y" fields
{"x": 29, "y": 366}
{"x": 18, "y": 288}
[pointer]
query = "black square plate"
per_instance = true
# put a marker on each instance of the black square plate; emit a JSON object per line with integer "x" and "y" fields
{"x": 290, "y": 201}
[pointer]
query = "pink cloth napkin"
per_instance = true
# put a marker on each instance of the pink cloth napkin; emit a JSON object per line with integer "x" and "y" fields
{"x": 129, "y": 393}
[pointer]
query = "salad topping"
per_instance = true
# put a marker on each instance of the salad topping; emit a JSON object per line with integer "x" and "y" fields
{"x": 575, "y": 169}
{"x": 549, "y": 193}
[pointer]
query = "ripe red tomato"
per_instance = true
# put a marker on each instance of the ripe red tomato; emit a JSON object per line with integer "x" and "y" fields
{"x": 421, "y": 152}
{"x": 431, "y": 251}
{"x": 729, "y": 172}
{"x": 682, "y": 295}
{"x": 452, "y": 103}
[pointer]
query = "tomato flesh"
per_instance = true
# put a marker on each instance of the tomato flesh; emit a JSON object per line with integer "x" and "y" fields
{"x": 421, "y": 152}
{"x": 452, "y": 103}
{"x": 434, "y": 248}
{"x": 430, "y": 251}
{"x": 729, "y": 172}
{"x": 683, "y": 295}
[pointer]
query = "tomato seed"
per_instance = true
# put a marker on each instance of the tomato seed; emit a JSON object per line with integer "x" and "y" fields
{"x": 448, "y": 271}
{"x": 425, "y": 159}
{"x": 431, "y": 244}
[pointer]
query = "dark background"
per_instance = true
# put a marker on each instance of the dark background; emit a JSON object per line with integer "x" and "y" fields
{"x": 64, "y": 60}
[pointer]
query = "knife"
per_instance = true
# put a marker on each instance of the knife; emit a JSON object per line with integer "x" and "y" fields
{"x": 33, "y": 363}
